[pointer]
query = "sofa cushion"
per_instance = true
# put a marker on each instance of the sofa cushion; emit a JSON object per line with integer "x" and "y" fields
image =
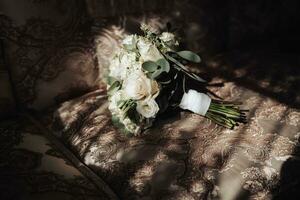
{"x": 185, "y": 156}
{"x": 49, "y": 49}
{"x": 7, "y": 101}
{"x": 34, "y": 167}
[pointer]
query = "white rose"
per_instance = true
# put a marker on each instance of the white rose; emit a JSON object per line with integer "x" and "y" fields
{"x": 148, "y": 51}
{"x": 196, "y": 102}
{"x": 147, "y": 108}
{"x": 137, "y": 86}
{"x": 129, "y": 42}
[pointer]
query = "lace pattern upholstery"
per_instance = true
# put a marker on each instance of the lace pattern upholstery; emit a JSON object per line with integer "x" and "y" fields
{"x": 32, "y": 168}
{"x": 185, "y": 155}
{"x": 7, "y": 102}
{"x": 49, "y": 50}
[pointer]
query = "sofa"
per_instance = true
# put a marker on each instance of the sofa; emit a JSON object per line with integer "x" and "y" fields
{"x": 57, "y": 138}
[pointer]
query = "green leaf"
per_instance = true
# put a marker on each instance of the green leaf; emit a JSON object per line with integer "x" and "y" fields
{"x": 155, "y": 74}
{"x": 133, "y": 114}
{"x": 190, "y": 56}
{"x": 182, "y": 68}
{"x": 121, "y": 103}
{"x": 164, "y": 64}
{"x": 114, "y": 87}
{"x": 176, "y": 62}
{"x": 149, "y": 66}
{"x": 110, "y": 80}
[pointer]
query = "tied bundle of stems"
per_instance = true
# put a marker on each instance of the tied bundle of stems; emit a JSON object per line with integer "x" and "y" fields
{"x": 226, "y": 114}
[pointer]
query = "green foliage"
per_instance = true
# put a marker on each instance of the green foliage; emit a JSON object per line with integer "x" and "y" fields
{"x": 182, "y": 68}
{"x": 150, "y": 66}
{"x": 117, "y": 123}
{"x": 129, "y": 108}
{"x": 164, "y": 64}
{"x": 133, "y": 115}
{"x": 155, "y": 69}
{"x": 155, "y": 74}
{"x": 190, "y": 56}
{"x": 226, "y": 114}
{"x": 110, "y": 80}
{"x": 114, "y": 87}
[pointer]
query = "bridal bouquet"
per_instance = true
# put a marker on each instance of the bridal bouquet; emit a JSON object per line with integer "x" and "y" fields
{"x": 148, "y": 76}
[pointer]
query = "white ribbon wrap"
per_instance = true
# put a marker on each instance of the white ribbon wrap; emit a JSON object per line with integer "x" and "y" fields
{"x": 196, "y": 102}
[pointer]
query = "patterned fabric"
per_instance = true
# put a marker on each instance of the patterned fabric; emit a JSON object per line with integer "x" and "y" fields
{"x": 7, "y": 102}
{"x": 52, "y": 57}
{"x": 31, "y": 168}
{"x": 185, "y": 156}
{"x": 49, "y": 49}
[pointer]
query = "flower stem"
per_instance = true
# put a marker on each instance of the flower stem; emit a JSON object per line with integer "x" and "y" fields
{"x": 226, "y": 114}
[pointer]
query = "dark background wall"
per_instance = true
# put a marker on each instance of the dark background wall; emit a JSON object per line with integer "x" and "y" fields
{"x": 216, "y": 24}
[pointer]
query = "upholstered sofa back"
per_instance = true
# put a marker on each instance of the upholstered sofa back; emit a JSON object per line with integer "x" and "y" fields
{"x": 49, "y": 50}
{"x": 50, "y": 46}
{"x": 7, "y": 102}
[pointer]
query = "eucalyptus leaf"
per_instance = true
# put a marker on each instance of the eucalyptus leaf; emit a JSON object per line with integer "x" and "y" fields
{"x": 164, "y": 64}
{"x": 149, "y": 66}
{"x": 191, "y": 75}
{"x": 181, "y": 67}
{"x": 155, "y": 74}
{"x": 176, "y": 62}
{"x": 190, "y": 56}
